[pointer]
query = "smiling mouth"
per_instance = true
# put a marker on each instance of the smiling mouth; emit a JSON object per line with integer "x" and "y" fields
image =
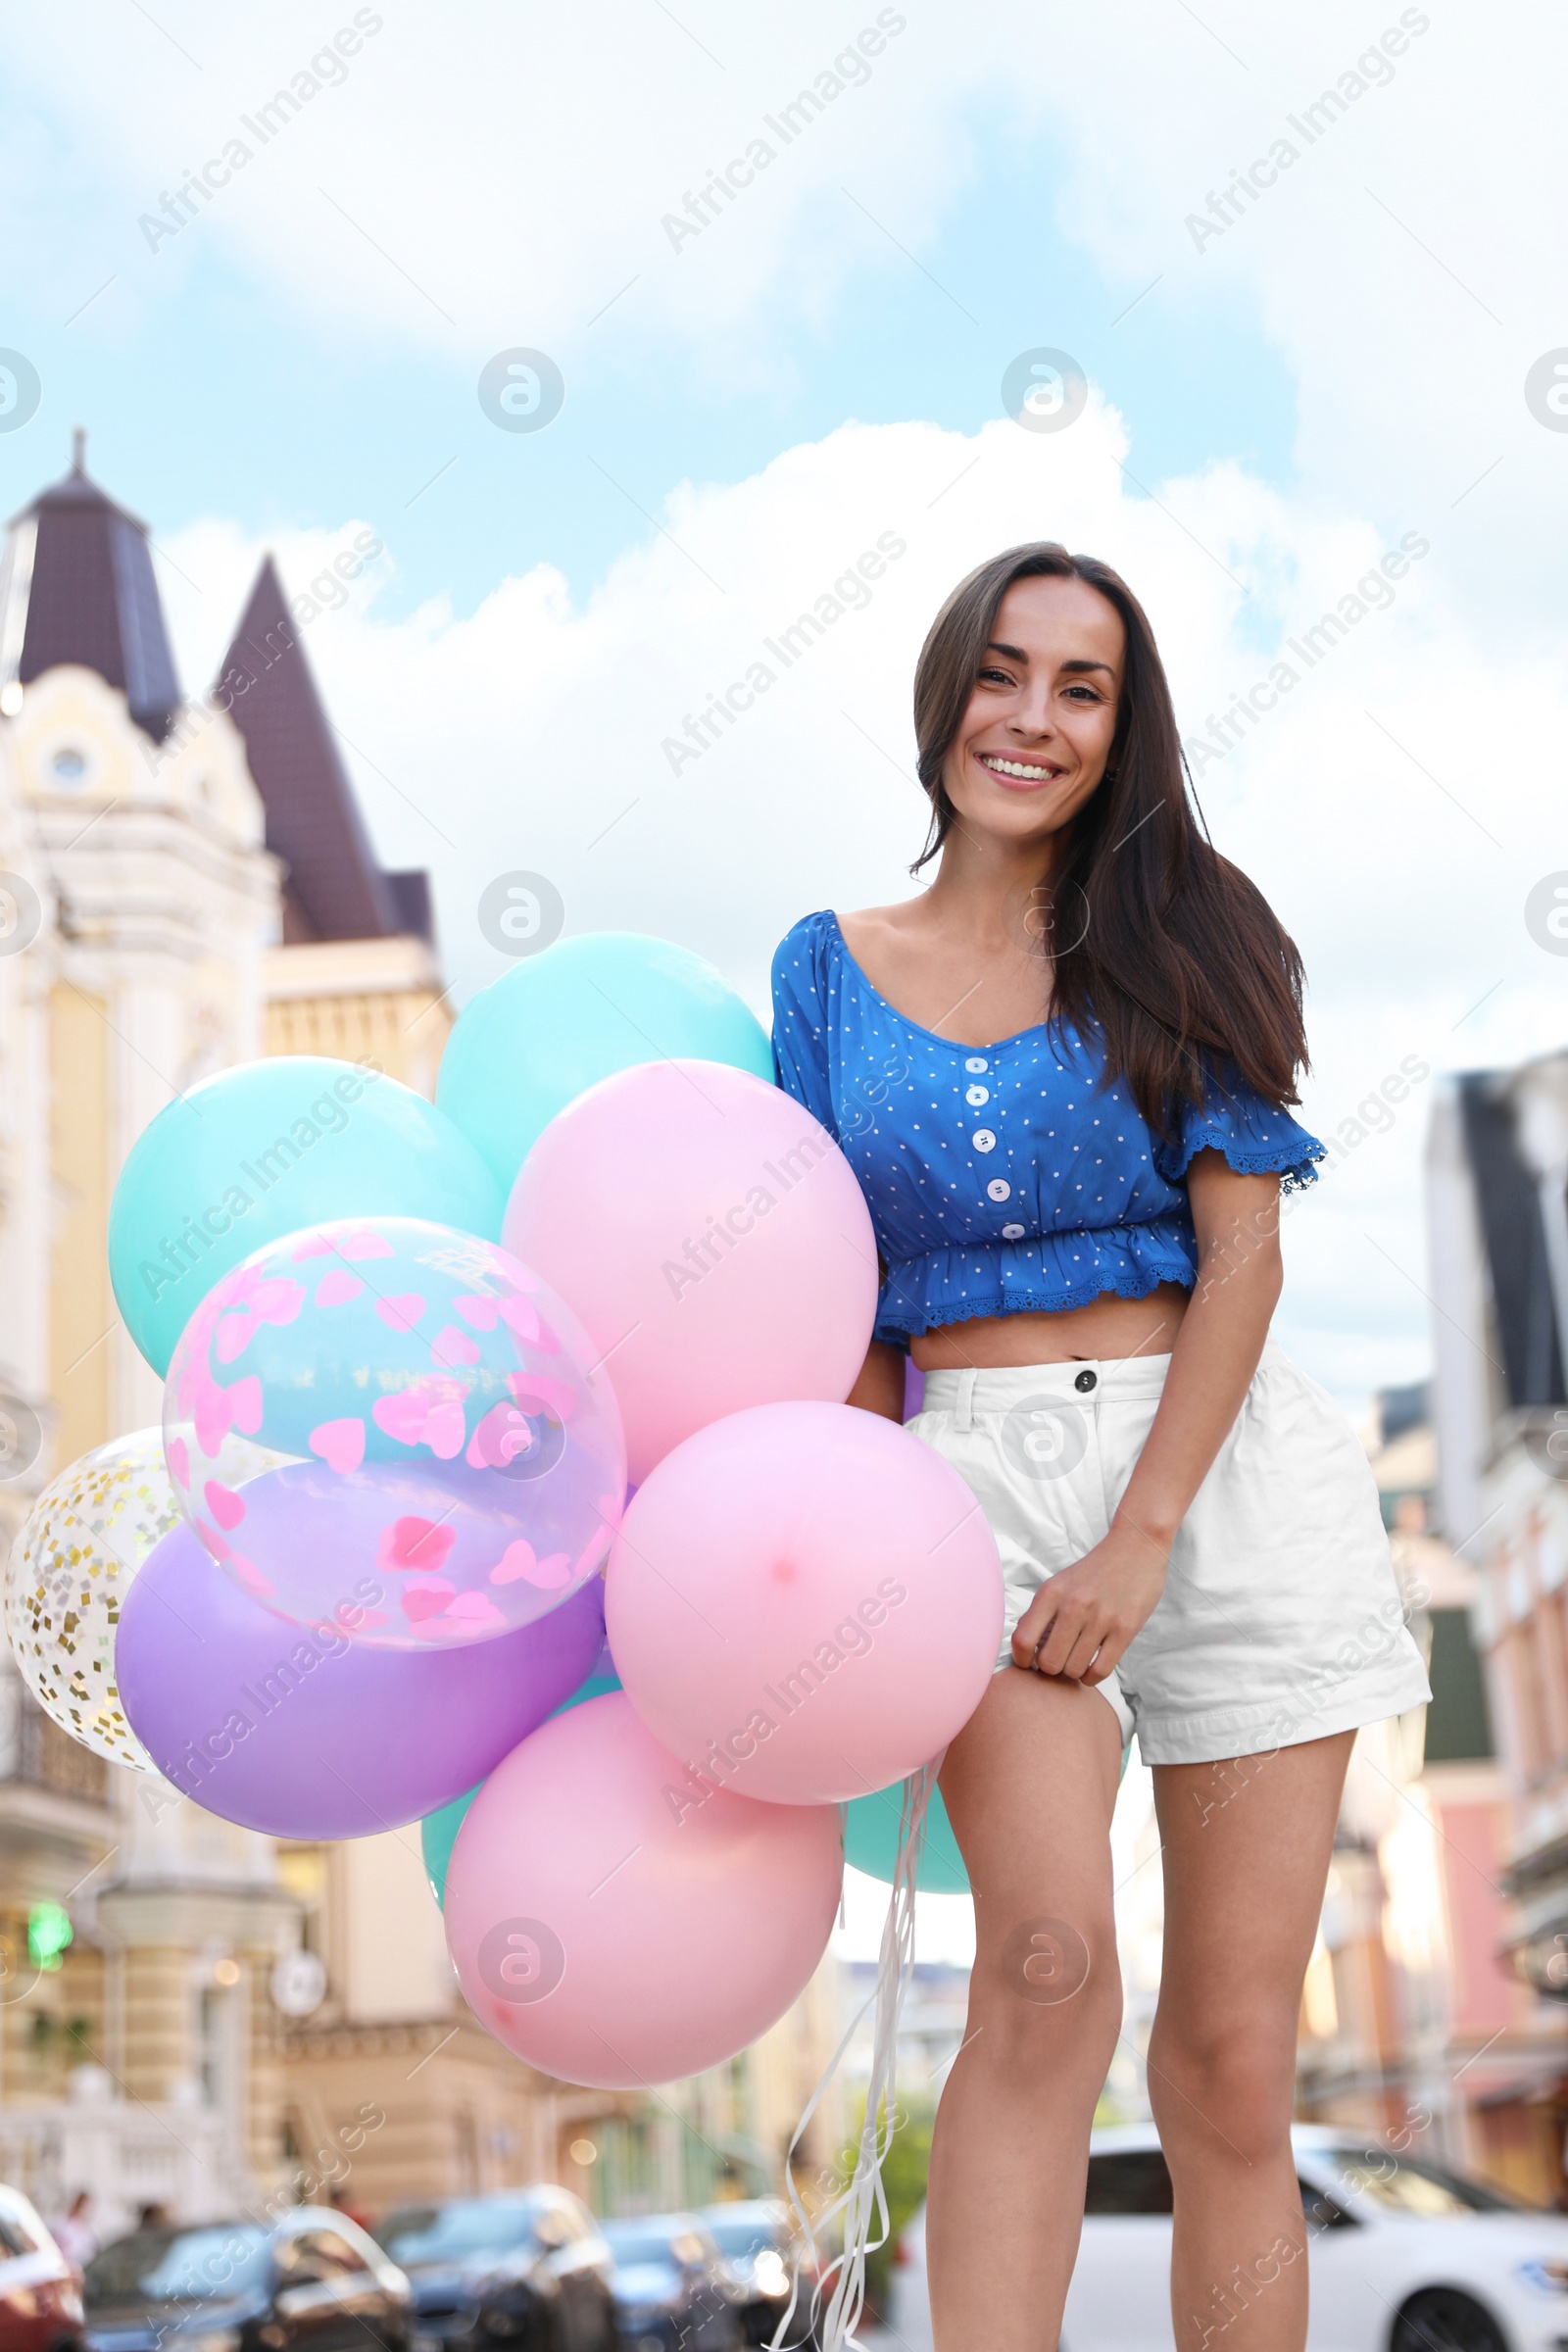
{"x": 1019, "y": 771}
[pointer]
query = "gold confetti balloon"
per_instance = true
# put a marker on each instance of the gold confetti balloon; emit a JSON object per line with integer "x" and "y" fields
{"x": 66, "y": 1583}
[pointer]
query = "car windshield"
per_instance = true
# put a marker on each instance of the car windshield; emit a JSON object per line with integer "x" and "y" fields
{"x": 1415, "y": 2186}
{"x": 739, "y": 2239}
{"x": 459, "y": 2231}
{"x": 178, "y": 2265}
{"x": 653, "y": 2242}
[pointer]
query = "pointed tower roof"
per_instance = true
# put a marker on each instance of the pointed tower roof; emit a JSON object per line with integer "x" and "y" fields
{"x": 79, "y": 586}
{"x": 335, "y": 888}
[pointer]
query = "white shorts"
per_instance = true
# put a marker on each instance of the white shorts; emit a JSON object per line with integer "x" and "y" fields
{"x": 1280, "y": 1620}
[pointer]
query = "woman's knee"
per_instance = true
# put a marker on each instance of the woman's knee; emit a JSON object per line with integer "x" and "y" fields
{"x": 1048, "y": 1994}
{"x": 1224, "y": 2090}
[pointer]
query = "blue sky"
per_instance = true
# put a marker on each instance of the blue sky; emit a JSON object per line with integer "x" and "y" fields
{"x": 210, "y": 391}
{"x": 1272, "y": 406}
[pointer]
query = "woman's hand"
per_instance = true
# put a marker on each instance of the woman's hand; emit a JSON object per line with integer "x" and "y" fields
{"x": 1081, "y": 1619}
{"x": 1084, "y": 1617}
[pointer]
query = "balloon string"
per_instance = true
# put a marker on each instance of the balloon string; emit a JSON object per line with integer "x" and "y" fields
{"x": 842, "y": 2280}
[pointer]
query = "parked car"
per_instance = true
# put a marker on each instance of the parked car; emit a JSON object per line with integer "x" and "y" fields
{"x": 526, "y": 2269}
{"x": 674, "y": 2292}
{"x": 40, "y": 2308}
{"x": 1403, "y": 2255}
{"x": 757, "y": 2241}
{"x": 312, "y": 2282}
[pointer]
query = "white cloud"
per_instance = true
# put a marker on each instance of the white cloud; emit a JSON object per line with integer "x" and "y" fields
{"x": 463, "y": 174}
{"x": 499, "y": 173}
{"x": 1395, "y": 808}
{"x": 1396, "y": 805}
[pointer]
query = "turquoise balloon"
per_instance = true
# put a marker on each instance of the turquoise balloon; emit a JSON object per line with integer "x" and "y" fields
{"x": 595, "y": 1687}
{"x": 262, "y": 1151}
{"x": 872, "y": 1842}
{"x": 559, "y": 1021}
{"x": 872, "y": 1839}
{"x": 438, "y": 1834}
{"x": 438, "y": 1830}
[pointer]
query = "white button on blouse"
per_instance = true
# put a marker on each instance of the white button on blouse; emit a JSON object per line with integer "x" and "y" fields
{"x": 1013, "y": 1232}
{"x": 977, "y": 1065}
{"x": 976, "y": 1096}
{"x": 999, "y": 1189}
{"x": 983, "y": 1140}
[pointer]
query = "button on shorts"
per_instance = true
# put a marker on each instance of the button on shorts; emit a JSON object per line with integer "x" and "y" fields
{"x": 1281, "y": 1620}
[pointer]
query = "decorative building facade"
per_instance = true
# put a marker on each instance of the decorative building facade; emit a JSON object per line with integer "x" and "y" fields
{"x": 1497, "y": 1198}
{"x": 1413, "y": 2024}
{"x": 186, "y": 884}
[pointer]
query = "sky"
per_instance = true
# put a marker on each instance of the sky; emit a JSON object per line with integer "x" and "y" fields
{"x": 1306, "y": 272}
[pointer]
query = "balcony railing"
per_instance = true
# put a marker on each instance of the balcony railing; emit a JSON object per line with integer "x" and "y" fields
{"x": 36, "y": 1752}
{"x": 49, "y": 1758}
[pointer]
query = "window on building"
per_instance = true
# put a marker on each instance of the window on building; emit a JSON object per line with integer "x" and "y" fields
{"x": 1458, "y": 1722}
{"x": 302, "y": 1870}
{"x": 218, "y": 2048}
{"x": 1548, "y": 1630}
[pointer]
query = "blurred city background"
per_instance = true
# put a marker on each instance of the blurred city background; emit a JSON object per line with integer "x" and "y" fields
{"x": 515, "y": 422}
{"x": 191, "y": 2012}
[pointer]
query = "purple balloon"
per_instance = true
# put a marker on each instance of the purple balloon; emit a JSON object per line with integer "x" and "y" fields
{"x": 302, "y": 1734}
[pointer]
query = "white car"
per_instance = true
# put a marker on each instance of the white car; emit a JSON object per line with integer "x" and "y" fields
{"x": 1404, "y": 2256}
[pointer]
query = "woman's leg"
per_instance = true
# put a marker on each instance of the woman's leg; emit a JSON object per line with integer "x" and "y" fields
{"x": 1029, "y": 1784}
{"x": 1246, "y": 1846}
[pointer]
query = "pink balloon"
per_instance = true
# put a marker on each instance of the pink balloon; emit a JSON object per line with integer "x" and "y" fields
{"x": 709, "y": 1236}
{"x": 612, "y": 1933}
{"x": 805, "y": 1603}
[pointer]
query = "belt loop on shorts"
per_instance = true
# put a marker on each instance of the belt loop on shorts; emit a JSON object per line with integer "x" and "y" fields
{"x": 963, "y": 1408}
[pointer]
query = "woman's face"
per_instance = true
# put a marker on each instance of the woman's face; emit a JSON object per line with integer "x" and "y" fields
{"x": 1033, "y": 743}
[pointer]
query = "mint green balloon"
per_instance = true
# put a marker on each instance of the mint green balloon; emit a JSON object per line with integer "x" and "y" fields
{"x": 438, "y": 1834}
{"x": 557, "y": 1022}
{"x": 263, "y": 1149}
{"x": 438, "y": 1830}
{"x": 598, "y": 1685}
{"x": 872, "y": 1842}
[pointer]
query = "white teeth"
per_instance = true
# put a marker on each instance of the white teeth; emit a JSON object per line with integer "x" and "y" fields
{"x": 1014, "y": 767}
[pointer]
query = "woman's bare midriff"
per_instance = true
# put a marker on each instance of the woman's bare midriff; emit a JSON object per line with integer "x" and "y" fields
{"x": 1104, "y": 1328}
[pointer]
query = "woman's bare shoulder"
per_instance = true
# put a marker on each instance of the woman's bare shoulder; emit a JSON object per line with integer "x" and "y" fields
{"x": 872, "y": 923}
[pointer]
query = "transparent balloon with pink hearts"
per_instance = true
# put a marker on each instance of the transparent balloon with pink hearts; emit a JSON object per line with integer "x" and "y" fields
{"x": 396, "y": 1430}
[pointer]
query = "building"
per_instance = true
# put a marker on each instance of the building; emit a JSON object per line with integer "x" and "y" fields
{"x": 185, "y": 884}
{"x": 1413, "y": 2022}
{"x": 931, "y": 2028}
{"x": 353, "y": 971}
{"x": 1496, "y": 1171}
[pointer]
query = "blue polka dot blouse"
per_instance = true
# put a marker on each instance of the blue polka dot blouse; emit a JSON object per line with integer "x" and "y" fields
{"x": 1003, "y": 1178}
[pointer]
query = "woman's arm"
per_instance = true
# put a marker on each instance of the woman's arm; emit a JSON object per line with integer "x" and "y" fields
{"x": 1083, "y": 1617}
{"x": 879, "y": 1384}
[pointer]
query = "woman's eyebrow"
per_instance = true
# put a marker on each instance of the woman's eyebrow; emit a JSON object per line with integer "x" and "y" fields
{"x": 1015, "y": 653}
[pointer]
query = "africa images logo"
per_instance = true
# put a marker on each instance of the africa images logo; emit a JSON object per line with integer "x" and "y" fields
{"x": 521, "y": 1960}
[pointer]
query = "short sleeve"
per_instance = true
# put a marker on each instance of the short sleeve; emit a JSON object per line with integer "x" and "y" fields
{"x": 799, "y": 1022}
{"x": 1256, "y": 1136}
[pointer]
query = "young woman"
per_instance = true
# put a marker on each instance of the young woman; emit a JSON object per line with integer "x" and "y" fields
{"x": 1061, "y": 1074}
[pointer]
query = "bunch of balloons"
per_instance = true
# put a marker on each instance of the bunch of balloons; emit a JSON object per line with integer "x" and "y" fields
{"x": 505, "y": 1482}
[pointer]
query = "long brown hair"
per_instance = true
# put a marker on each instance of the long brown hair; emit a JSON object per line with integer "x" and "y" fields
{"x": 1161, "y": 945}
